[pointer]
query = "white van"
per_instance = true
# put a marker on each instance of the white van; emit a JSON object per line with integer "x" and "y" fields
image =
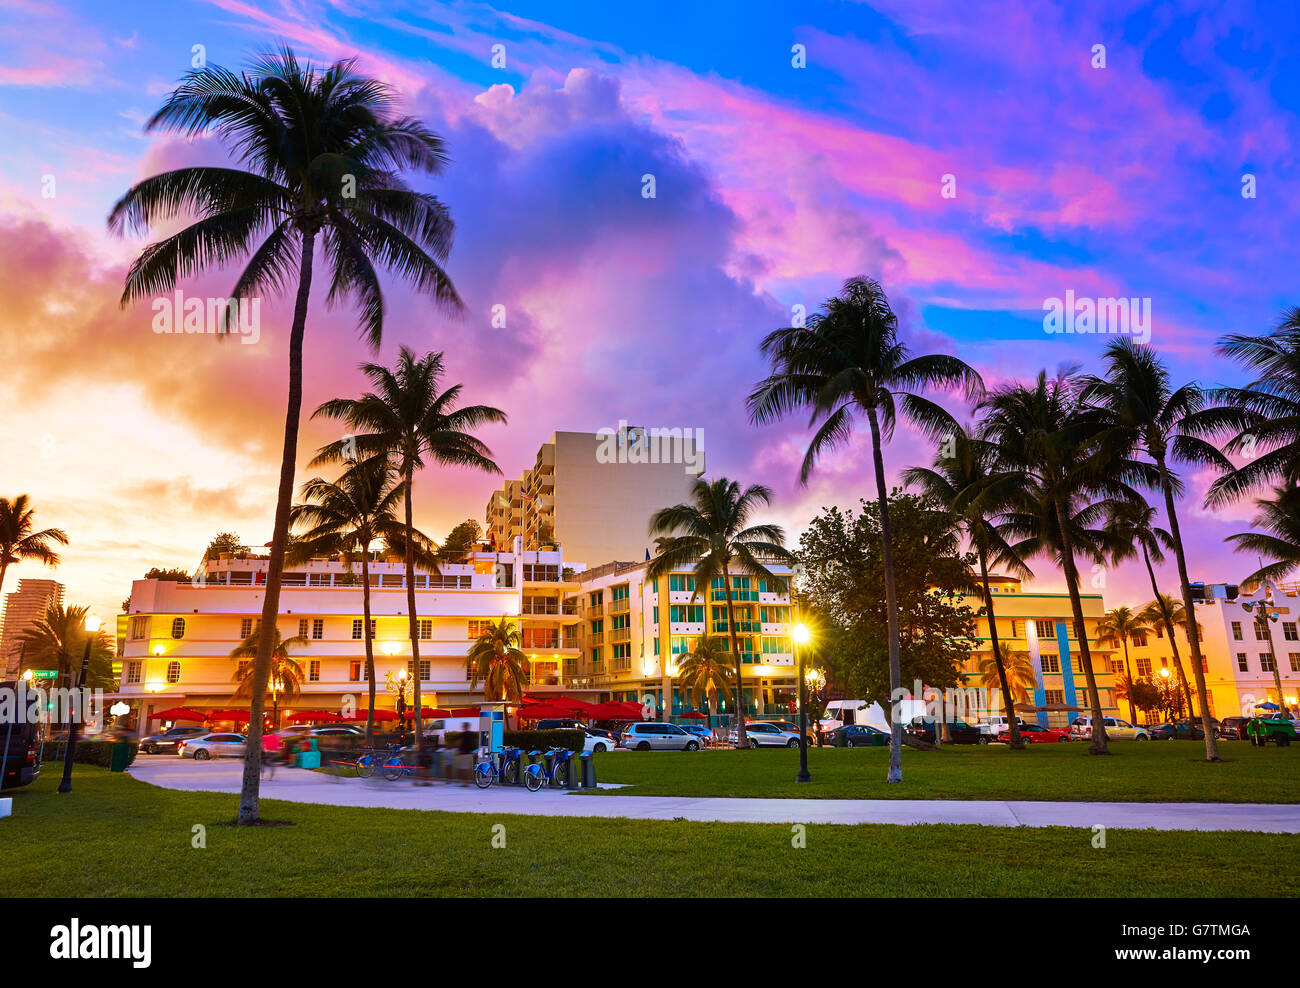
{"x": 842, "y": 712}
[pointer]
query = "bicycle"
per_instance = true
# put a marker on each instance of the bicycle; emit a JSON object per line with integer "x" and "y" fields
{"x": 390, "y": 762}
{"x": 486, "y": 772}
{"x": 535, "y": 774}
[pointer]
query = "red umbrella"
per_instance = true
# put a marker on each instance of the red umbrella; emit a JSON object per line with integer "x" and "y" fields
{"x": 380, "y": 715}
{"x": 693, "y": 715}
{"x": 616, "y": 711}
{"x": 542, "y": 711}
{"x": 179, "y": 713}
{"x": 311, "y": 715}
{"x": 561, "y": 703}
{"x": 236, "y": 715}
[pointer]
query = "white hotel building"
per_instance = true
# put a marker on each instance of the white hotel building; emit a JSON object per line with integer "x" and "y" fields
{"x": 179, "y": 636}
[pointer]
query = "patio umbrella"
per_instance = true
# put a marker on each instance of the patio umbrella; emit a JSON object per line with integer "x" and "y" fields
{"x": 238, "y": 715}
{"x": 179, "y": 713}
{"x": 693, "y": 715}
{"x": 615, "y": 710}
{"x": 1267, "y": 705}
{"x": 561, "y": 703}
{"x": 542, "y": 711}
{"x": 310, "y": 715}
{"x": 381, "y": 716}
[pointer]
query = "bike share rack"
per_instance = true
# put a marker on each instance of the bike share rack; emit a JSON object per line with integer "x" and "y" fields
{"x": 581, "y": 772}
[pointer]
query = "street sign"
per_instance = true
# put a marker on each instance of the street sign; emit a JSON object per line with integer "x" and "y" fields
{"x": 45, "y": 674}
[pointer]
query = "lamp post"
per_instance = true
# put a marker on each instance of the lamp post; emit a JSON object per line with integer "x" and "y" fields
{"x": 93, "y": 624}
{"x": 800, "y": 635}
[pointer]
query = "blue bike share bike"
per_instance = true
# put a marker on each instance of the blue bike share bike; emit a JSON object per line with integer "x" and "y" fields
{"x": 390, "y": 763}
{"x": 486, "y": 772}
{"x": 536, "y": 775}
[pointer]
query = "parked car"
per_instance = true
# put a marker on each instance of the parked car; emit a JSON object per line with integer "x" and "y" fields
{"x": 958, "y": 730}
{"x": 1161, "y": 732}
{"x": 652, "y": 734}
{"x": 559, "y": 725}
{"x": 993, "y": 726}
{"x": 1262, "y": 730}
{"x": 765, "y": 734}
{"x": 19, "y": 746}
{"x": 596, "y": 742}
{"x": 857, "y": 736}
{"x": 703, "y": 733}
{"x": 213, "y": 746}
{"x": 1036, "y": 734}
{"x": 338, "y": 731}
{"x": 166, "y": 742}
{"x": 1233, "y": 728}
{"x": 792, "y": 726}
{"x": 1116, "y": 730}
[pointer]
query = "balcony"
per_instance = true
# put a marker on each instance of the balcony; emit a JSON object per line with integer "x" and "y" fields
{"x": 534, "y": 638}
{"x": 621, "y": 606}
{"x": 737, "y": 596}
{"x": 595, "y": 610}
{"x": 620, "y": 635}
{"x": 596, "y": 637}
{"x": 742, "y": 628}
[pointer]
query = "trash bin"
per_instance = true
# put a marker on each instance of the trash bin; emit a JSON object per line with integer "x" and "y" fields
{"x": 588, "y": 770}
{"x": 119, "y": 757}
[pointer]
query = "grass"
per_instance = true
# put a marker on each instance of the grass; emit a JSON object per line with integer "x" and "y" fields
{"x": 1137, "y": 771}
{"x": 116, "y": 836}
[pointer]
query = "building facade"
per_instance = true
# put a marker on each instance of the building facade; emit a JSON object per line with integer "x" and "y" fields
{"x": 23, "y": 608}
{"x": 593, "y": 493}
{"x": 179, "y": 636}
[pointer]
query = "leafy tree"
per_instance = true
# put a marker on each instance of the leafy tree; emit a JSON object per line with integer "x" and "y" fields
{"x": 227, "y": 542}
{"x": 321, "y": 154}
{"x": 18, "y": 540}
{"x": 168, "y": 575}
{"x": 846, "y": 362}
{"x": 841, "y": 564}
{"x": 462, "y": 539}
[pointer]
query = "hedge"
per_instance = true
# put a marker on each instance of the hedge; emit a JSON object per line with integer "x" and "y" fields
{"x": 541, "y": 740}
{"x": 99, "y": 752}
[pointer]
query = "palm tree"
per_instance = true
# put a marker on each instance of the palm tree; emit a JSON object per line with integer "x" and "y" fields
{"x": 345, "y": 517}
{"x": 58, "y": 638}
{"x": 496, "y": 659}
{"x": 1046, "y": 435}
{"x": 705, "y": 668}
{"x": 406, "y": 418}
{"x": 711, "y": 535}
{"x": 18, "y": 541}
{"x": 849, "y": 361}
{"x": 1147, "y": 413}
{"x": 285, "y": 679}
{"x": 1170, "y": 614}
{"x": 1119, "y": 625}
{"x": 969, "y": 485}
{"x": 1018, "y": 670}
{"x": 321, "y": 150}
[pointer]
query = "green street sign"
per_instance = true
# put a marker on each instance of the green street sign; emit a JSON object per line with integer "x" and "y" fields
{"x": 45, "y": 674}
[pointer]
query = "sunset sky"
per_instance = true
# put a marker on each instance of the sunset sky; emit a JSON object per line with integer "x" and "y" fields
{"x": 774, "y": 184}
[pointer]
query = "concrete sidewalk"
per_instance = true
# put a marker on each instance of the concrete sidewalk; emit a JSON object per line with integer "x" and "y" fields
{"x": 301, "y": 786}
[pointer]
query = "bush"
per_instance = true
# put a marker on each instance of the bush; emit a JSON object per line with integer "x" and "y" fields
{"x": 541, "y": 740}
{"x": 100, "y": 752}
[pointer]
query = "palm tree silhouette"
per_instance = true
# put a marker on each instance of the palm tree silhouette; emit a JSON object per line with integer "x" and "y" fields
{"x": 18, "y": 541}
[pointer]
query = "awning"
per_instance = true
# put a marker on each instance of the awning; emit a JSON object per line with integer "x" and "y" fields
{"x": 179, "y": 713}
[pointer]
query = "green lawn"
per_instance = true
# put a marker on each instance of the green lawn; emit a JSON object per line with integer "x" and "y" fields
{"x": 1137, "y": 771}
{"x": 115, "y": 836}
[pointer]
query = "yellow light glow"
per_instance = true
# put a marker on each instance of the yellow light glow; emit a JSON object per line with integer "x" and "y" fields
{"x": 158, "y": 650}
{"x": 28, "y": 675}
{"x": 801, "y": 634}
{"x": 1164, "y": 673}
{"x": 94, "y": 622}
{"x": 391, "y": 648}
{"x": 154, "y": 687}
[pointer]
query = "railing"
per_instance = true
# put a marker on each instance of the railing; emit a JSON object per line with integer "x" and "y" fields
{"x": 620, "y": 635}
{"x": 595, "y": 610}
{"x": 737, "y": 596}
{"x": 621, "y": 605}
{"x": 742, "y": 628}
{"x": 597, "y": 637}
{"x": 533, "y": 606}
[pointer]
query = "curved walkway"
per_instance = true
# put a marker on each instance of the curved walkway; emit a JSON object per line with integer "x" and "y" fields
{"x": 300, "y": 786}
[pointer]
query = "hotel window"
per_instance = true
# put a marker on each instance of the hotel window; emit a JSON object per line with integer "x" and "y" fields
{"x": 775, "y": 585}
{"x": 318, "y": 629}
{"x": 1045, "y": 629}
{"x": 656, "y": 614}
{"x": 245, "y": 627}
{"x": 133, "y": 672}
{"x": 1160, "y": 631}
{"x": 597, "y": 626}
{"x": 425, "y": 669}
{"x": 1266, "y": 662}
{"x": 356, "y": 629}
{"x": 774, "y": 615}
{"x": 1205, "y": 664}
{"x": 595, "y": 656}
{"x": 1053, "y": 696}
{"x": 1139, "y": 641}
{"x": 1051, "y": 663}
{"x": 313, "y": 671}
{"x": 1289, "y": 632}
{"x": 241, "y": 669}
{"x": 425, "y": 629}
{"x": 1164, "y": 663}
{"x": 319, "y": 579}
{"x": 620, "y": 592}
{"x": 775, "y": 646}
{"x": 681, "y": 583}
{"x": 686, "y": 613}
{"x": 1117, "y": 666}
{"x": 139, "y": 628}
{"x": 1242, "y": 665}
{"x": 622, "y": 650}
{"x": 595, "y": 597}
{"x": 679, "y": 645}
{"x": 302, "y": 627}
{"x": 475, "y": 629}
{"x": 655, "y": 649}
{"x": 1144, "y": 668}
{"x": 1236, "y": 631}
{"x": 354, "y": 671}
{"x": 173, "y": 671}
{"x": 178, "y": 628}
{"x": 1015, "y": 629}
{"x": 621, "y": 621}
{"x": 1261, "y": 631}
{"x": 1295, "y": 661}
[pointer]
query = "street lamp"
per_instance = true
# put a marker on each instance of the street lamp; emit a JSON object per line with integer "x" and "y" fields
{"x": 93, "y": 624}
{"x": 801, "y": 636}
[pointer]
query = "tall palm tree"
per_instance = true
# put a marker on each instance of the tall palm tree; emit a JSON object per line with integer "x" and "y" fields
{"x": 18, "y": 540}
{"x": 1018, "y": 670}
{"x": 408, "y": 419}
{"x": 1147, "y": 414}
{"x": 284, "y": 681}
{"x": 1132, "y": 529}
{"x": 1119, "y": 624}
{"x": 969, "y": 485}
{"x": 705, "y": 668}
{"x": 321, "y": 151}
{"x": 849, "y": 361}
{"x": 345, "y": 517}
{"x": 58, "y": 638}
{"x": 496, "y": 659}
{"x": 1277, "y": 535}
{"x": 1048, "y": 436}
{"x": 711, "y": 536}
{"x": 1168, "y": 612}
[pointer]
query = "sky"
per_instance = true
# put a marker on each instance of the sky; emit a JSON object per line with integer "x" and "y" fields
{"x": 978, "y": 159}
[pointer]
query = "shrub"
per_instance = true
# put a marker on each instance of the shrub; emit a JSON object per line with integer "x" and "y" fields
{"x": 100, "y": 752}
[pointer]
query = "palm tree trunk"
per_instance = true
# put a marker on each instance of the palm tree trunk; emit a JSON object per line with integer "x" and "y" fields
{"x": 1098, "y": 746}
{"x": 891, "y": 603}
{"x": 409, "y": 472}
{"x": 249, "y": 789}
{"x": 1169, "y": 627}
{"x": 735, "y": 651}
{"x": 1128, "y": 671}
{"x": 1193, "y": 639}
{"x": 370, "y": 645}
{"x": 1013, "y": 725}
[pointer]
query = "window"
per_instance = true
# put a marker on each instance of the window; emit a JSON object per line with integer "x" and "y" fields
{"x": 679, "y": 645}
{"x": 620, "y": 592}
{"x": 178, "y": 628}
{"x": 1117, "y": 666}
{"x": 774, "y": 615}
{"x": 425, "y": 669}
{"x": 1160, "y": 631}
{"x": 1054, "y": 696}
{"x": 1242, "y": 665}
{"x": 1164, "y": 663}
{"x": 1051, "y": 663}
{"x": 597, "y": 626}
{"x": 139, "y": 628}
{"x": 681, "y": 583}
{"x": 241, "y": 669}
{"x": 595, "y": 597}
{"x": 775, "y": 646}
{"x": 133, "y": 672}
{"x": 1295, "y": 661}
{"x": 319, "y": 579}
{"x": 245, "y": 627}
{"x": 173, "y": 671}
{"x": 356, "y": 629}
{"x": 775, "y": 585}
{"x": 476, "y": 629}
{"x": 596, "y": 658}
{"x": 302, "y": 627}
{"x": 313, "y": 671}
{"x": 1139, "y": 641}
{"x": 621, "y": 621}
{"x": 318, "y": 629}
{"x": 1144, "y": 668}
{"x": 1261, "y": 631}
{"x": 1046, "y": 629}
{"x": 425, "y": 626}
{"x": 622, "y": 651}
{"x": 1289, "y": 631}
{"x": 1236, "y": 631}
{"x": 656, "y": 614}
{"x": 686, "y": 613}
{"x": 354, "y": 671}
{"x": 656, "y": 648}
{"x": 1266, "y": 662}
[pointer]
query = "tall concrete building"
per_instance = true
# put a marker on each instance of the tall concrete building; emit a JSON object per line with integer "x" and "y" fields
{"x": 22, "y": 609}
{"x": 594, "y": 493}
